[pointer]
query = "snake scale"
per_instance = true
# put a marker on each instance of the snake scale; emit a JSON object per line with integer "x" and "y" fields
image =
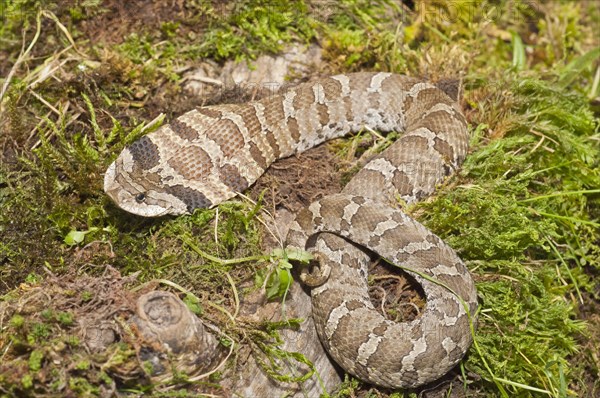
{"x": 209, "y": 154}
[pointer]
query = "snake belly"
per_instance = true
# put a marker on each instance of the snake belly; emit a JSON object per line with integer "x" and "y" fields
{"x": 209, "y": 154}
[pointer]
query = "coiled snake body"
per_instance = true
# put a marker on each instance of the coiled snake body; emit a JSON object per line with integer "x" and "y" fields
{"x": 209, "y": 154}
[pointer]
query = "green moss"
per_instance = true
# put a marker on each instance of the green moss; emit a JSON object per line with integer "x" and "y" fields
{"x": 39, "y": 333}
{"x": 35, "y": 360}
{"x": 17, "y": 321}
{"x": 27, "y": 381}
{"x": 65, "y": 318}
{"x": 83, "y": 387}
{"x": 82, "y": 365}
{"x": 240, "y": 30}
{"x": 255, "y": 27}
{"x": 364, "y": 34}
{"x": 516, "y": 213}
{"x": 86, "y": 296}
{"x": 72, "y": 341}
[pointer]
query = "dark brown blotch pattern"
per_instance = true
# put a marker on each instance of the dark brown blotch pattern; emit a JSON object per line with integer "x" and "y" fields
{"x": 210, "y": 112}
{"x": 323, "y": 112}
{"x": 183, "y": 130}
{"x": 192, "y": 198}
{"x": 304, "y": 98}
{"x": 444, "y": 149}
{"x": 230, "y": 176}
{"x": 366, "y": 219}
{"x": 251, "y": 121}
{"x": 293, "y": 128}
{"x": 258, "y": 156}
{"x": 145, "y": 153}
{"x": 274, "y": 114}
{"x": 273, "y": 142}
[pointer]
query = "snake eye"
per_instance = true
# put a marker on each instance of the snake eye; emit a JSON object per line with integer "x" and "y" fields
{"x": 140, "y": 197}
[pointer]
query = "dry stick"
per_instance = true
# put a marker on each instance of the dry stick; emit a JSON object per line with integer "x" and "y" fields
{"x": 216, "y": 229}
{"x": 43, "y": 101}
{"x": 49, "y": 68}
{"x": 25, "y": 53}
{"x": 49, "y": 14}
{"x": 595, "y": 84}
{"x": 21, "y": 58}
{"x": 269, "y": 216}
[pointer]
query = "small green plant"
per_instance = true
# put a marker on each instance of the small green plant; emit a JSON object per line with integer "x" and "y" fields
{"x": 193, "y": 303}
{"x": 17, "y": 321}
{"x": 280, "y": 278}
{"x": 76, "y": 156}
{"x": 64, "y": 318}
{"x": 35, "y": 360}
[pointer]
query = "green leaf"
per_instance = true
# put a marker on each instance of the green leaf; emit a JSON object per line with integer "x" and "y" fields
{"x": 299, "y": 255}
{"x": 75, "y": 237}
{"x": 576, "y": 66}
{"x": 519, "y": 59}
{"x": 290, "y": 253}
{"x": 193, "y": 303}
{"x": 278, "y": 283}
{"x": 284, "y": 264}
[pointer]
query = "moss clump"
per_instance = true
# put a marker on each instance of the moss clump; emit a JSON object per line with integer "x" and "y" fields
{"x": 256, "y": 27}
{"x": 520, "y": 213}
{"x": 363, "y": 34}
{"x": 42, "y": 350}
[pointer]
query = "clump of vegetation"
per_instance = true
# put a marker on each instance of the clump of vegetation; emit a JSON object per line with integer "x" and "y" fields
{"x": 534, "y": 189}
{"x": 43, "y": 327}
{"x": 256, "y": 27}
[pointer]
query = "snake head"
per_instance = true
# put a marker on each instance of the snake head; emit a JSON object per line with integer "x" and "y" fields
{"x": 153, "y": 177}
{"x": 135, "y": 192}
{"x": 163, "y": 173}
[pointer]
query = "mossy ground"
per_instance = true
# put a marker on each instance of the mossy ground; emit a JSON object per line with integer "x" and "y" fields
{"x": 78, "y": 77}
